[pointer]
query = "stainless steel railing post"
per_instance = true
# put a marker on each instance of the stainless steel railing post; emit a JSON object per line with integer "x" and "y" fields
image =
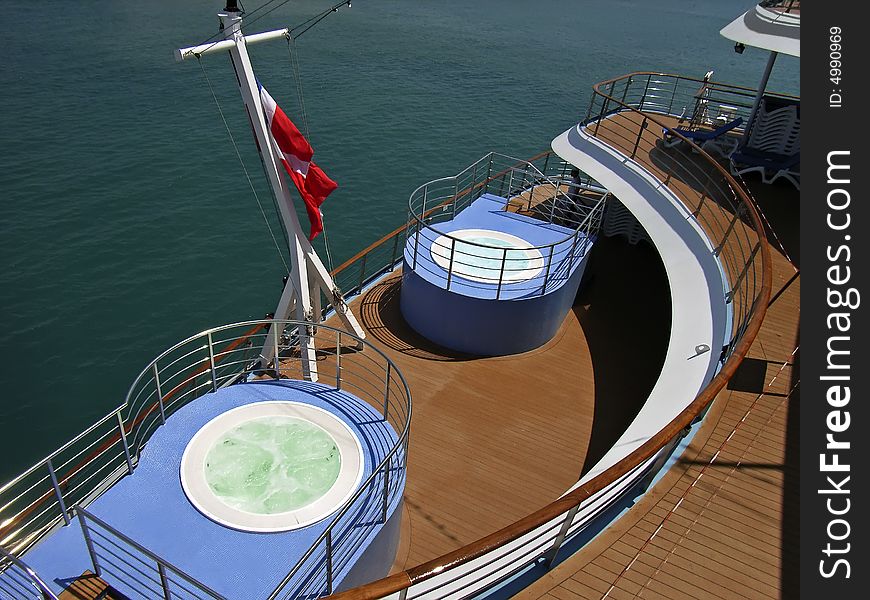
{"x": 450, "y": 266}
{"x": 730, "y": 295}
{"x": 124, "y": 443}
{"x": 455, "y": 196}
{"x": 645, "y": 90}
{"x": 57, "y": 491}
{"x": 601, "y": 116}
{"x": 727, "y": 234}
{"x": 547, "y": 272}
{"x": 89, "y": 543}
{"x": 501, "y": 273}
{"x": 591, "y": 104}
{"x": 214, "y": 386}
{"x": 387, "y": 391}
{"x": 550, "y": 556}
{"x": 159, "y": 393}
{"x": 626, "y": 88}
{"x": 338, "y": 361}
{"x": 329, "y": 561}
{"x": 573, "y": 249}
{"x": 141, "y": 550}
{"x": 416, "y": 243}
{"x": 362, "y": 271}
{"x": 164, "y": 581}
{"x": 395, "y": 250}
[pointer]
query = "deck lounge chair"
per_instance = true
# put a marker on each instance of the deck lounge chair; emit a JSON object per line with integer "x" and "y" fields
{"x": 771, "y": 165}
{"x": 709, "y": 139}
{"x": 773, "y": 147}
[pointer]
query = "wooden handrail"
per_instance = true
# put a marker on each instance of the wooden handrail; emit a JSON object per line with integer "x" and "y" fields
{"x": 405, "y": 579}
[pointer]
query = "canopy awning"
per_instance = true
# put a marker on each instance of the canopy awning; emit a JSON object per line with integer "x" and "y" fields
{"x": 768, "y": 28}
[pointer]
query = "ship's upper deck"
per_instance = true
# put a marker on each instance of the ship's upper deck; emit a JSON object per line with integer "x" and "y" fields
{"x": 497, "y": 441}
{"x": 753, "y": 239}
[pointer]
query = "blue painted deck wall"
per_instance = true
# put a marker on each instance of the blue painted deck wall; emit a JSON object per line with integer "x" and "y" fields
{"x": 468, "y": 317}
{"x": 150, "y": 506}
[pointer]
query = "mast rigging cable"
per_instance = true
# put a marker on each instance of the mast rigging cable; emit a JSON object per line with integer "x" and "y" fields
{"x": 294, "y": 61}
{"x": 241, "y": 162}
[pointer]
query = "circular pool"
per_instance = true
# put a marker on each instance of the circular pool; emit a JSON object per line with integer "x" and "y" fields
{"x": 480, "y": 255}
{"x": 271, "y": 466}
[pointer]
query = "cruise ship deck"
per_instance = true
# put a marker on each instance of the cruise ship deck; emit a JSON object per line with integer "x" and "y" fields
{"x": 504, "y": 447}
{"x": 723, "y": 522}
{"x": 720, "y": 522}
{"x": 495, "y": 438}
{"x": 648, "y": 449}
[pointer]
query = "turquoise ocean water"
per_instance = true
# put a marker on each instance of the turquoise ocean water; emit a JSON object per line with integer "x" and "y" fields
{"x": 127, "y": 223}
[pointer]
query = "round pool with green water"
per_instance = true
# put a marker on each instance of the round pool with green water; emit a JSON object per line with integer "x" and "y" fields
{"x": 272, "y": 465}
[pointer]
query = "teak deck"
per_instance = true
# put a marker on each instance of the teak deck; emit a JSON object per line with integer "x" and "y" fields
{"x": 89, "y": 587}
{"x": 723, "y": 523}
{"x": 494, "y": 438}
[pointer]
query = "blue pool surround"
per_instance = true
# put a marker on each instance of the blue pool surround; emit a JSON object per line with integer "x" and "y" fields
{"x": 237, "y": 564}
{"x": 480, "y": 317}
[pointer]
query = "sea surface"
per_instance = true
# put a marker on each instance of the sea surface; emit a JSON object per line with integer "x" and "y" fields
{"x": 127, "y": 222}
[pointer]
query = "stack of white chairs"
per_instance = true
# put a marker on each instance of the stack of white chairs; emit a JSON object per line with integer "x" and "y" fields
{"x": 773, "y": 146}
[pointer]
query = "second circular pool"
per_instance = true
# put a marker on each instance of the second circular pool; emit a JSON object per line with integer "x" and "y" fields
{"x": 487, "y": 256}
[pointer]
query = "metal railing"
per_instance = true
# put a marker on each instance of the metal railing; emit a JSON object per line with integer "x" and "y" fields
{"x": 370, "y": 264}
{"x": 41, "y": 499}
{"x": 113, "y": 553}
{"x": 542, "y": 190}
{"x": 625, "y": 114}
{"x": 709, "y": 195}
{"x": 20, "y": 581}
{"x": 37, "y": 500}
{"x": 695, "y": 102}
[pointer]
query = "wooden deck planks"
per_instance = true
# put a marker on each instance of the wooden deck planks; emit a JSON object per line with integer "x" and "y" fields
{"x": 89, "y": 587}
{"x": 728, "y": 538}
{"x": 493, "y": 439}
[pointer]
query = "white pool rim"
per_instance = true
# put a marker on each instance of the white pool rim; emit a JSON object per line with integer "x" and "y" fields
{"x": 199, "y": 493}
{"x": 440, "y": 251}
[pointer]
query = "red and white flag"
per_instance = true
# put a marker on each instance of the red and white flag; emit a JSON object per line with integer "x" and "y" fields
{"x": 295, "y": 153}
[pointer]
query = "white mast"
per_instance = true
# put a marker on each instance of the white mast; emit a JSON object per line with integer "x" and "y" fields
{"x": 308, "y": 276}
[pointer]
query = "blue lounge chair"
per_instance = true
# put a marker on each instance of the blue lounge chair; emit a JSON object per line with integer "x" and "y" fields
{"x": 708, "y": 139}
{"x": 771, "y": 165}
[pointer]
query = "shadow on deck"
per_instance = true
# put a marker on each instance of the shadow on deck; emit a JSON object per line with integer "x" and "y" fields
{"x": 625, "y": 310}
{"x": 494, "y": 438}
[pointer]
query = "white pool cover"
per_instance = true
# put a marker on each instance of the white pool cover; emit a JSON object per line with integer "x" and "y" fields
{"x": 487, "y": 256}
